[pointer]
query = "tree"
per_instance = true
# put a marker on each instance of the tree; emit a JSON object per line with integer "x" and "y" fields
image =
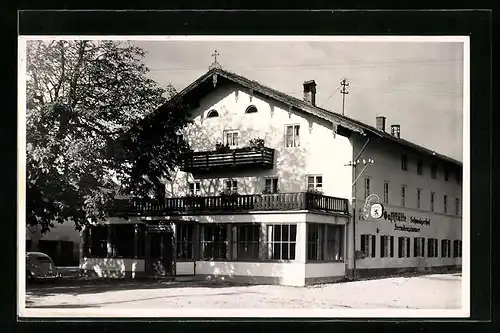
{"x": 96, "y": 126}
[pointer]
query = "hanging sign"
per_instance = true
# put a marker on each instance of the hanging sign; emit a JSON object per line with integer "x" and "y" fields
{"x": 376, "y": 211}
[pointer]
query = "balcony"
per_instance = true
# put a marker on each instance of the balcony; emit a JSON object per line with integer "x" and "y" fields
{"x": 231, "y": 204}
{"x": 239, "y": 158}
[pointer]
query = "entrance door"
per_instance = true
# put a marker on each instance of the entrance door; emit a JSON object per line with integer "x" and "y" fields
{"x": 161, "y": 255}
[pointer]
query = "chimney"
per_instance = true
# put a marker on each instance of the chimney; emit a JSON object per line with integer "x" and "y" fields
{"x": 396, "y": 131}
{"x": 380, "y": 120}
{"x": 310, "y": 92}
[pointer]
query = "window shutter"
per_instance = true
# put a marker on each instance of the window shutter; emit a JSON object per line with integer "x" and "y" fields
{"x": 374, "y": 244}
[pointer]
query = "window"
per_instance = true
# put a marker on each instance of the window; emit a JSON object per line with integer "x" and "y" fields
{"x": 212, "y": 114}
{"x": 404, "y": 162}
{"x": 251, "y": 109}
{"x": 403, "y": 195}
{"x": 368, "y": 245}
{"x": 194, "y": 188}
{"x": 457, "y": 206}
{"x": 432, "y": 248}
{"x": 419, "y": 167}
{"x": 123, "y": 240}
{"x": 231, "y": 138}
{"x": 315, "y": 241}
{"x": 271, "y": 185}
{"x": 184, "y": 240}
{"x": 367, "y": 187}
{"x": 403, "y": 247}
{"x": 281, "y": 241}
{"x": 457, "y": 249}
{"x": 232, "y": 185}
{"x": 386, "y": 246}
{"x": 247, "y": 236}
{"x": 419, "y": 193}
{"x": 292, "y": 136}
{"x": 418, "y": 247}
{"x": 98, "y": 239}
{"x": 386, "y": 192}
{"x": 433, "y": 171}
{"x": 445, "y": 204}
{"x": 446, "y": 174}
{"x": 445, "y": 248}
{"x": 334, "y": 243}
{"x": 458, "y": 175}
{"x": 315, "y": 183}
{"x": 214, "y": 241}
{"x": 433, "y": 194}
{"x": 325, "y": 242}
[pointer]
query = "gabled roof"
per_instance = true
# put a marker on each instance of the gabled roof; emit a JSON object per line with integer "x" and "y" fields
{"x": 304, "y": 106}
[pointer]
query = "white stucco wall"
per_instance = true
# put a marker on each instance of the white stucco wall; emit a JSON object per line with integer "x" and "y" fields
{"x": 315, "y": 270}
{"x": 387, "y": 167}
{"x": 319, "y": 152}
{"x": 184, "y": 268}
{"x": 111, "y": 267}
{"x": 292, "y": 274}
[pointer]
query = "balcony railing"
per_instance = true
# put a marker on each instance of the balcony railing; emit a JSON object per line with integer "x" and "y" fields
{"x": 228, "y": 204}
{"x": 238, "y": 158}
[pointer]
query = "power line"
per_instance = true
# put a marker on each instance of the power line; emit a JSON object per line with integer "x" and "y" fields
{"x": 355, "y": 64}
{"x": 331, "y": 95}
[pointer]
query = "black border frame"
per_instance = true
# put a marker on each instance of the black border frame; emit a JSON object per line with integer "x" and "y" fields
{"x": 474, "y": 23}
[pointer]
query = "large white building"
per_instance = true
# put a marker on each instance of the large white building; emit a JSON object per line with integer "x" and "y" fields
{"x": 274, "y": 192}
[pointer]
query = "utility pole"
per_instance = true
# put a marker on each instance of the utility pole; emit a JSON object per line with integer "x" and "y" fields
{"x": 344, "y": 92}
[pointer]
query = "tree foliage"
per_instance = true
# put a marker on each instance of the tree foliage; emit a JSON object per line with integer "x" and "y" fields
{"x": 96, "y": 126}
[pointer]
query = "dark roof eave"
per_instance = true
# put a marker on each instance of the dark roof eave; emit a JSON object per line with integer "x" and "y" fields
{"x": 348, "y": 123}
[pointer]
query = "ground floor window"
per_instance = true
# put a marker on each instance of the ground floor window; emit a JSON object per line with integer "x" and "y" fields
{"x": 98, "y": 240}
{"x": 386, "y": 246}
{"x": 214, "y": 241}
{"x": 281, "y": 241}
{"x": 432, "y": 248}
{"x": 123, "y": 240}
{"x": 457, "y": 248}
{"x": 368, "y": 245}
{"x": 445, "y": 248}
{"x": 315, "y": 241}
{"x": 184, "y": 241}
{"x": 247, "y": 241}
{"x": 418, "y": 247}
{"x": 404, "y": 247}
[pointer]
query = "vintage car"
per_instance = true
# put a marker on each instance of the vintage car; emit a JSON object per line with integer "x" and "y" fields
{"x": 40, "y": 266}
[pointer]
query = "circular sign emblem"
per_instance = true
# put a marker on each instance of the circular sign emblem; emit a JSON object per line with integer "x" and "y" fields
{"x": 376, "y": 211}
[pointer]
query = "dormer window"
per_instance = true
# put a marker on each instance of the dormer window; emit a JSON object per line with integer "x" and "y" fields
{"x": 251, "y": 109}
{"x": 212, "y": 114}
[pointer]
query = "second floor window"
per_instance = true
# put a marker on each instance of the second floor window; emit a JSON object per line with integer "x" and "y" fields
{"x": 419, "y": 191}
{"x": 445, "y": 204}
{"x": 271, "y": 185}
{"x": 231, "y": 185}
{"x": 419, "y": 168}
{"x": 386, "y": 192}
{"x": 232, "y": 138}
{"x": 292, "y": 136}
{"x": 433, "y": 171}
{"x": 367, "y": 186}
{"x": 446, "y": 174}
{"x": 432, "y": 201}
{"x": 403, "y": 195}
{"x": 404, "y": 162}
{"x": 315, "y": 183}
{"x": 194, "y": 188}
{"x": 457, "y": 206}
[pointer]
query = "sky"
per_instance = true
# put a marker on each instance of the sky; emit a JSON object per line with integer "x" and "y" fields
{"x": 418, "y": 85}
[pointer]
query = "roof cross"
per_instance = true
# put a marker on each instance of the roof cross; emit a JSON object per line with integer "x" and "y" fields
{"x": 215, "y": 64}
